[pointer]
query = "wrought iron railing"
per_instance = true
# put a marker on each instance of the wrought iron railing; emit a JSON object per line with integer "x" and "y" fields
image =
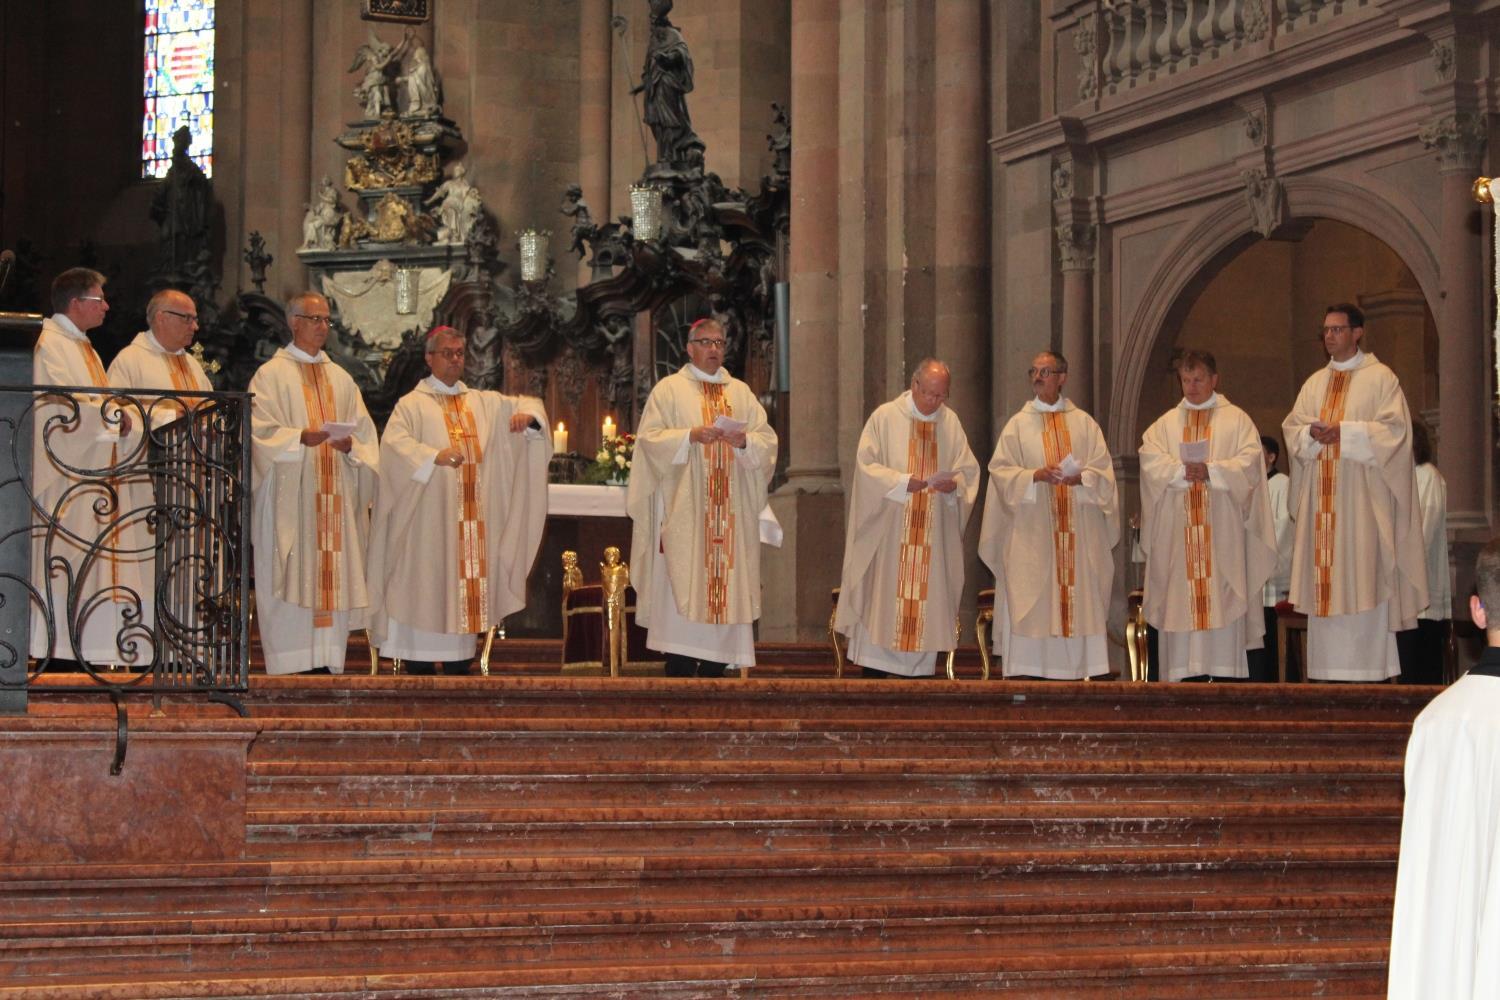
{"x": 124, "y": 541}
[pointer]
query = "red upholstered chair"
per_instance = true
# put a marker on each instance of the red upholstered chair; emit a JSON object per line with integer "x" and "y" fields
{"x": 584, "y": 639}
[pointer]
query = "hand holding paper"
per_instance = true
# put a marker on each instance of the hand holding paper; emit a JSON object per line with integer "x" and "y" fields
{"x": 337, "y": 430}
{"x": 1192, "y": 451}
{"x": 729, "y": 425}
{"x": 1070, "y": 467}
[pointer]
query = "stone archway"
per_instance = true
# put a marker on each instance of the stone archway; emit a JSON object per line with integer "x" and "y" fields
{"x": 1217, "y": 236}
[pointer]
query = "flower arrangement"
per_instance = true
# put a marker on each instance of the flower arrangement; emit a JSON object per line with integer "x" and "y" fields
{"x": 612, "y": 460}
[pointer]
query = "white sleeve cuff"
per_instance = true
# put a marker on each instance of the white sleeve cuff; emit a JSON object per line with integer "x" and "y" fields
{"x": 898, "y": 494}
{"x": 1216, "y": 480}
{"x": 423, "y": 472}
{"x": 1030, "y": 494}
{"x": 1354, "y": 442}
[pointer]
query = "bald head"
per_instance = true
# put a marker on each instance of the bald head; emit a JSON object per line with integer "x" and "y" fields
{"x": 173, "y": 318}
{"x": 929, "y": 385}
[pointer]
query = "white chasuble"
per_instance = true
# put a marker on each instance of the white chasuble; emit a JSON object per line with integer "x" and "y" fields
{"x": 903, "y": 572}
{"x": 453, "y": 546}
{"x": 1358, "y": 567}
{"x": 1049, "y": 546}
{"x": 694, "y": 541}
{"x": 99, "y": 533}
{"x": 1210, "y": 547}
{"x": 310, "y": 517}
{"x": 144, "y": 364}
{"x": 1446, "y": 923}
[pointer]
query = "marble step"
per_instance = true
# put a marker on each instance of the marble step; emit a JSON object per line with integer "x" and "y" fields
{"x": 458, "y": 783}
{"x": 1110, "y": 875}
{"x": 1347, "y": 970}
{"x": 811, "y": 826}
{"x": 347, "y": 939}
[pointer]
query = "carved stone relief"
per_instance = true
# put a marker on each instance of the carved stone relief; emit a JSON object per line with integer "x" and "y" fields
{"x": 1266, "y": 199}
{"x": 1457, "y": 138}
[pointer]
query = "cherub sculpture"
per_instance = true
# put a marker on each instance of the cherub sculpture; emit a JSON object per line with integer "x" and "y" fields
{"x": 377, "y": 58}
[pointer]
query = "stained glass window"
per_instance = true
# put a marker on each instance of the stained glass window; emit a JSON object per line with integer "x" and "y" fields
{"x": 179, "y": 83}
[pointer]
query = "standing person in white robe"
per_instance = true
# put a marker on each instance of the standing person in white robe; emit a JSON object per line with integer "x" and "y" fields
{"x": 915, "y": 483}
{"x": 158, "y": 359}
{"x": 1358, "y": 570}
{"x": 1264, "y": 662}
{"x": 1423, "y": 649}
{"x": 1051, "y": 518}
{"x": 697, "y": 486}
{"x": 1206, "y": 529}
{"x": 313, "y": 488}
{"x": 1445, "y": 933}
{"x": 90, "y": 512}
{"x": 462, "y": 504}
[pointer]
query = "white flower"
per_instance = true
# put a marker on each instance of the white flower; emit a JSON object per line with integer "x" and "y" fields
{"x": 603, "y": 456}
{"x": 620, "y": 461}
{"x": 627, "y": 463}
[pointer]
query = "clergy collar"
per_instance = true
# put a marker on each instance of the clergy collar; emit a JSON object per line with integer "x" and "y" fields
{"x": 68, "y": 327}
{"x": 916, "y": 414}
{"x": 1350, "y": 365}
{"x": 438, "y": 386}
{"x": 1057, "y": 407}
{"x": 298, "y": 354}
{"x": 699, "y": 375}
{"x": 155, "y": 344}
{"x": 1207, "y": 404}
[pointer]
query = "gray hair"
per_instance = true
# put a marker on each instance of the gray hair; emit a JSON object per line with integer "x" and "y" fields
{"x": 296, "y": 302}
{"x": 933, "y": 364}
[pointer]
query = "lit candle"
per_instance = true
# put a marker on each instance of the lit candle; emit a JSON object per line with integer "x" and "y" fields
{"x": 560, "y": 439}
{"x": 609, "y": 428}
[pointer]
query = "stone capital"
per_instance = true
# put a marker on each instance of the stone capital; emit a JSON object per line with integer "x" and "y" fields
{"x": 1075, "y": 245}
{"x": 1458, "y": 139}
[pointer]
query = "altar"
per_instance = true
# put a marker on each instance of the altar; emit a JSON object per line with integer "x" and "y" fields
{"x": 585, "y": 519}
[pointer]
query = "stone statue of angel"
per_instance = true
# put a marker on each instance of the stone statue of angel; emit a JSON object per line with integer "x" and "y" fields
{"x": 458, "y": 207}
{"x": 377, "y": 58}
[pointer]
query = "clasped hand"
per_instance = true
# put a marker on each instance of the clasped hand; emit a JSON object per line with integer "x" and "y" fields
{"x": 708, "y": 434}
{"x": 1053, "y": 475}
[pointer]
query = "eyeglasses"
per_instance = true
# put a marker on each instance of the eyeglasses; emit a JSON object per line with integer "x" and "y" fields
{"x": 315, "y": 320}
{"x": 1045, "y": 372}
{"x": 89, "y": 298}
{"x": 709, "y": 342}
{"x": 452, "y": 354}
{"x": 1336, "y": 329}
{"x": 187, "y": 317}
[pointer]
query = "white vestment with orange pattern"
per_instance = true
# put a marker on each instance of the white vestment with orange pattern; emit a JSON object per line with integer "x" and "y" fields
{"x": 903, "y": 576}
{"x": 310, "y": 520}
{"x": 1358, "y": 567}
{"x": 452, "y": 546}
{"x": 111, "y": 593}
{"x": 145, "y": 364}
{"x": 695, "y": 541}
{"x": 1210, "y": 547}
{"x": 1049, "y": 546}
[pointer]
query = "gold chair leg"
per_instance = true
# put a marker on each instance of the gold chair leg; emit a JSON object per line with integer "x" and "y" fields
{"x": 981, "y": 634}
{"x": 838, "y": 654}
{"x": 958, "y": 631}
{"x": 374, "y": 654}
{"x": 484, "y": 657}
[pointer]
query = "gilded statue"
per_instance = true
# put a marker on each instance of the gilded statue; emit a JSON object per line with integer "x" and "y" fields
{"x": 615, "y": 577}
{"x": 572, "y": 577}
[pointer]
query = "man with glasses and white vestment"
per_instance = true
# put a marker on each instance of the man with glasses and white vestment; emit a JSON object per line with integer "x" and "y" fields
{"x": 1050, "y": 520}
{"x": 704, "y": 456}
{"x": 315, "y": 456}
{"x": 96, "y": 437}
{"x": 1358, "y": 566}
{"x": 459, "y": 519}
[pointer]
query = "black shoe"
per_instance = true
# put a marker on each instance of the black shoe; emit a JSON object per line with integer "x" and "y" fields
{"x": 420, "y": 668}
{"x": 456, "y": 668}
{"x": 320, "y": 670}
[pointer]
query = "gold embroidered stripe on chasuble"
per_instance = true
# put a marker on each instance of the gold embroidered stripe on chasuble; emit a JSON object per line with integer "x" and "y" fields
{"x": 718, "y": 517}
{"x": 473, "y": 569}
{"x": 1199, "y": 546}
{"x": 1057, "y": 444}
{"x": 916, "y": 540}
{"x": 317, "y": 394}
{"x": 1325, "y": 515}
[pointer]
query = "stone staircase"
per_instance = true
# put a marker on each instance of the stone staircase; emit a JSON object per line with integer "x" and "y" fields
{"x": 526, "y": 835}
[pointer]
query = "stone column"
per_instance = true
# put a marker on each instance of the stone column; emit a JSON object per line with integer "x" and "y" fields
{"x": 1462, "y": 446}
{"x": 593, "y": 115}
{"x": 810, "y": 505}
{"x": 962, "y": 244}
{"x": 1075, "y": 246}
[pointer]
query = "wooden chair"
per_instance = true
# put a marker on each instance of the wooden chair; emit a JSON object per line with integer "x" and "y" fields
{"x": 1290, "y": 624}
